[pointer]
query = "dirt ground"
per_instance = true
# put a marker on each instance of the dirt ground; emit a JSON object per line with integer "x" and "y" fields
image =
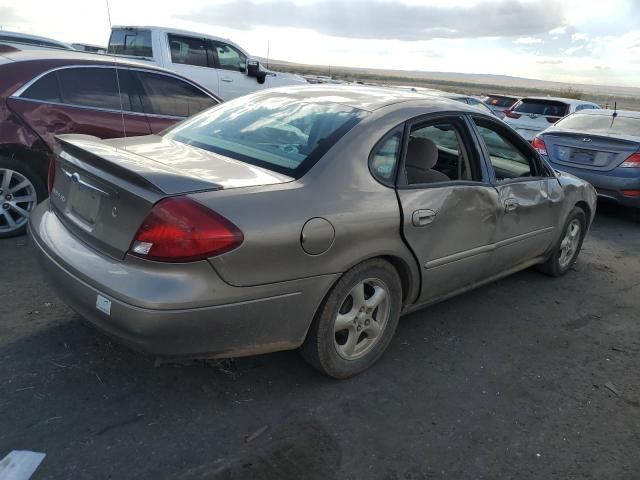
{"x": 527, "y": 378}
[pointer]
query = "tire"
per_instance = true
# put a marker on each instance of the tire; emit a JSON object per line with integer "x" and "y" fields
{"x": 370, "y": 320}
{"x": 18, "y": 181}
{"x": 560, "y": 262}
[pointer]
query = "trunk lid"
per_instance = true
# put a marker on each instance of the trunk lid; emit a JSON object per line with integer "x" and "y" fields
{"x": 103, "y": 190}
{"x": 588, "y": 151}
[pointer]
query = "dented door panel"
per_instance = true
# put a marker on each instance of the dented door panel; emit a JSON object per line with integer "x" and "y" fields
{"x": 526, "y": 223}
{"x": 454, "y": 247}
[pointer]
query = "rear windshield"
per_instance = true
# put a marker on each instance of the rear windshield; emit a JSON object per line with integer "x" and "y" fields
{"x": 548, "y": 108}
{"x": 602, "y": 124}
{"x": 132, "y": 42}
{"x": 504, "y": 102}
{"x": 283, "y": 133}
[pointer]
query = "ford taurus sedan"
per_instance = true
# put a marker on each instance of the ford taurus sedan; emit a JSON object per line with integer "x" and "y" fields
{"x": 311, "y": 218}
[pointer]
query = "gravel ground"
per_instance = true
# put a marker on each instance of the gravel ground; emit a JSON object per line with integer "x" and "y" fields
{"x": 526, "y": 378}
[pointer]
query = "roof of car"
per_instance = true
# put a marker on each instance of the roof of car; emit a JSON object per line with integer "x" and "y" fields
{"x": 570, "y": 101}
{"x": 369, "y": 98}
{"x": 27, "y": 38}
{"x": 178, "y": 31}
{"x": 68, "y": 56}
{"x": 609, "y": 113}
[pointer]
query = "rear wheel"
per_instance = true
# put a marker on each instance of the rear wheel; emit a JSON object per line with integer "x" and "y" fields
{"x": 355, "y": 323}
{"x": 21, "y": 188}
{"x": 566, "y": 252}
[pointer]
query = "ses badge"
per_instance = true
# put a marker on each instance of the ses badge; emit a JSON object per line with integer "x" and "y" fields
{"x": 103, "y": 304}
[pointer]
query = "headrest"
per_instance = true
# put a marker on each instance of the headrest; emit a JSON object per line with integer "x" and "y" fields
{"x": 422, "y": 153}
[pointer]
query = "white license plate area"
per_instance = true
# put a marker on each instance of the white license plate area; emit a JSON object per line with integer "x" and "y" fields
{"x": 85, "y": 204}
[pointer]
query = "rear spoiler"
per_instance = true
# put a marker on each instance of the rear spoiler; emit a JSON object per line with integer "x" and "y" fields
{"x": 86, "y": 150}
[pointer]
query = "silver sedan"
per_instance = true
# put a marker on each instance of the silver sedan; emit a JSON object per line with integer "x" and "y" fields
{"x": 309, "y": 217}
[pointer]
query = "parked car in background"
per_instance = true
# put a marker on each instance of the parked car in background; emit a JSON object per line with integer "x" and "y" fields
{"x": 500, "y": 103}
{"x": 24, "y": 41}
{"x": 531, "y": 115}
{"x": 85, "y": 47}
{"x": 218, "y": 64}
{"x": 307, "y": 217}
{"x": 458, "y": 97}
{"x": 44, "y": 93}
{"x": 600, "y": 146}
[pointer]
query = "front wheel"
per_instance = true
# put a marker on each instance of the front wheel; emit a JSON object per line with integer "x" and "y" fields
{"x": 566, "y": 252}
{"x": 355, "y": 323}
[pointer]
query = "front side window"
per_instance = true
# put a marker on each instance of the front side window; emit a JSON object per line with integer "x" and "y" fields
{"x": 507, "y": 159}
{"x": 132, "y": 42}
{"x": 98, "y": 88}
{"x": 280, "y": 132}
{"x": 229, "y": 58}
{"x": 436, "y": 153}
{"x": 188, "y": 50}
{"x": 171, "y": 97}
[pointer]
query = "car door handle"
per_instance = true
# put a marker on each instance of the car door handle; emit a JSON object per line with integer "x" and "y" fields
{"x": 227, "y": 79}
{"x": 423, "y": 217}
{"x": 510, "y": 204}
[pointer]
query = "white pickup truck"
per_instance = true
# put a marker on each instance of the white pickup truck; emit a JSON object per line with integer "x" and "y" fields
{"x": 218, "y": 64}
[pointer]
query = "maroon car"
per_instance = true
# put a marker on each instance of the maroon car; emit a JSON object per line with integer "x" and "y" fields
{"x": 47, "y": 93}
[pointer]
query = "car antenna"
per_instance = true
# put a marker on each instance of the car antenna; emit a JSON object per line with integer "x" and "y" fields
{"x": 615, "y": 114}
{"x": 115, "y": 64}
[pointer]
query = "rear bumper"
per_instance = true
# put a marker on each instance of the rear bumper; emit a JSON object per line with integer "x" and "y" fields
{"x": 181, "y": 310}
{"x": 609, "y": 184}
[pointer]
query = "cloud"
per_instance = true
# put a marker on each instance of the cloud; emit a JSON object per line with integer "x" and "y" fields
{"x": 550, "y": 62}
{"x": 558, "y": 30}
{"x": 579, "y": 37}
{"x": 527, "y": 41}
{"x": 391, "y": 19}
{"x": 573, "y": 50}
{"x": 9, "y": 17}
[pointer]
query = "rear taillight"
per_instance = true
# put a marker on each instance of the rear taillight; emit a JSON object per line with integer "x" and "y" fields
{"x": 631, "y": 193}
{"x": 51, "y": 174}
{"x": 632, "y": 162}
{"x": 539, "y": 145}
{"x": 181, "y": 230}
{"x": 512, "y": 114}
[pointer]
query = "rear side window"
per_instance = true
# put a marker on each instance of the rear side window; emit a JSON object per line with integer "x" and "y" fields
{"x": 385, "y": 157}
{"x": 172, "y": 97}
{"x": 547, "y": 108}
{"x": 188, "y": 50}
{"x": 46, "y": 89}
{"x": 98, "y": 88}
{"x": 131, "y": 42}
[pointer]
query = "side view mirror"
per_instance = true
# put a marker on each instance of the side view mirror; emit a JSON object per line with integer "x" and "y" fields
{"x": 254, "y": 70}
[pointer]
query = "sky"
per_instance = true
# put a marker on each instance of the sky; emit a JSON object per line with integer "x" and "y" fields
{"x": 572, "y": 41}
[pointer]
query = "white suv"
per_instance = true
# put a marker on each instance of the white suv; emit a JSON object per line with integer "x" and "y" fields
{"x": 220, "y": 65}
{"x": 531, "y": 115}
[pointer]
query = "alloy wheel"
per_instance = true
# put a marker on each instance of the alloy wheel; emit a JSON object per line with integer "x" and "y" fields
{"x": 361, "y": 319}
{"x": 17, "y": 199}
{"x": 569, "y": 244}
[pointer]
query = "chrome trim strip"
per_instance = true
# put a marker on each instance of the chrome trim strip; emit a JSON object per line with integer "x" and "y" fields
{"x": 99, "y": 109}
{"x": 22, "y": 89}
{"x": 485, "y": 248}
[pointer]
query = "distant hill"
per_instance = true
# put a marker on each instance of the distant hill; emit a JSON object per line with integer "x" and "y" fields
{"x": 473, "y": 83}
